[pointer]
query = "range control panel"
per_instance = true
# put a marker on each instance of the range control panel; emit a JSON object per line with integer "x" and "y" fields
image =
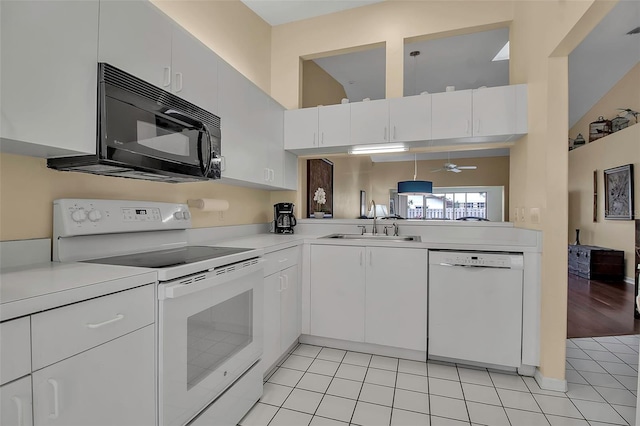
{"x": 477, "y": 259}
{"x": 73, "y": 217}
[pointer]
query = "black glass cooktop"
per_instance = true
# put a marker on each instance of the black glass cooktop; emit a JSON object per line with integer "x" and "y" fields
{"x": 169, "y": 258}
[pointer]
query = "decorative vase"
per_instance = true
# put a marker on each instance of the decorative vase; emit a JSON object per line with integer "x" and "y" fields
{"x": 318, "y": 215}
{"x": 577, "y": 243}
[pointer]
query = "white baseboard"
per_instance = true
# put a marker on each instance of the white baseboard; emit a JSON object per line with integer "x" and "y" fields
{"x": 629, "y": 280}
{"x": 549, "y": 383}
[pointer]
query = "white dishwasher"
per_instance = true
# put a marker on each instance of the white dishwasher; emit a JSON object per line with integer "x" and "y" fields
{"x": 475, "y": 307}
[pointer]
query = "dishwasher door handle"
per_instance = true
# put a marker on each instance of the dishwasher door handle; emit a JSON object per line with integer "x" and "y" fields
{"x": 472, "y": 266}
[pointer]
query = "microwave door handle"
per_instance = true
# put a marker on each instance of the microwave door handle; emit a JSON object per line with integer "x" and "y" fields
{"x": 206, "y": 166}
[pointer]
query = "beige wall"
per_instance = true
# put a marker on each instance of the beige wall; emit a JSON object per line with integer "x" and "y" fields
{"x": 355, "y": 173}
{"x": 542, "y": 35}
{"x": 614, "y": 150}
{"x": 318, "y": 87}
{"x": 625, "y": 94}
{"x": 230, "y": 29}
{"x": 27, "y": 189}
{"x": 389, "y": 22}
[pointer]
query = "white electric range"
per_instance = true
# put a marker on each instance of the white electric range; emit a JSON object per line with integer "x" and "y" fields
{"x": 209, "y": 311}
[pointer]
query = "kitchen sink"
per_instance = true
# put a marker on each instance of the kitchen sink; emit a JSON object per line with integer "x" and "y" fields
{"x": 378, "y": 237}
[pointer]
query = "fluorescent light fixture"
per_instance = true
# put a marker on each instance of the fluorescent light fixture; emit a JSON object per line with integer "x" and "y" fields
{"x": 503, "y": 54}
{"x": 377, "y": 149}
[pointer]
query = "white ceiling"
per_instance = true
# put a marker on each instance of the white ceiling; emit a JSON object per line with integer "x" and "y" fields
{"x": 277, "y": 12}
{"x": 603, "y": 58}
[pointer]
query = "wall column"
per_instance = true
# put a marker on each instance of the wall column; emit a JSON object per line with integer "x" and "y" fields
{"x": 395, "y": 68}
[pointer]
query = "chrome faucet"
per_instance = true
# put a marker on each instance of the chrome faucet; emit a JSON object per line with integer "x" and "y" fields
{"x": 374, "y": 231}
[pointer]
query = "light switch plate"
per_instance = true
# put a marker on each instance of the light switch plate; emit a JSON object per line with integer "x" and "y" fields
{"x": 534, "y": 213}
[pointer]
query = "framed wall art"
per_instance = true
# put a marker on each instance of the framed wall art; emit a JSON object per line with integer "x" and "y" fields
{"x": 618, "y": 193}
{"x": 320, "y": 175}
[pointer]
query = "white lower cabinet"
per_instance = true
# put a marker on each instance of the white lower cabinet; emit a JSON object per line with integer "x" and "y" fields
{"x": 281, "y": 317}
{"x": 370, "y": 294}
{"x": 396, "y": 297}
{"x": 338, "y": 292}
{"x": 15, "y": 403}
{"x": 112, "y": 384}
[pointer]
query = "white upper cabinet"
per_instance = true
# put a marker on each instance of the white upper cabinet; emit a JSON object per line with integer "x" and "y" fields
{"x": 494, "y": 111}
{"x": 290, "y": 171}
{"x": 301, "y": 128}
{"x": 274, "y": 131}
{"x": 194, "y": 70}
{"x": 451, "y": 115}
{"x": 370, "y": 122}
{"x": 334, "y": 125}
{"x": 244, "y": 155}
{"x": 410, "y": 118}
{"x": 136, "y": 37}
{"x": 48, "y": 77}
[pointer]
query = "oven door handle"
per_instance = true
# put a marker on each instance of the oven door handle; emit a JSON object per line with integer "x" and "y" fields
{"x": 177, "y": 290}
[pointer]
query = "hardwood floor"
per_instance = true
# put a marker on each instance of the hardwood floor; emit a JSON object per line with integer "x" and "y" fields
{"x": 598, "y": 308}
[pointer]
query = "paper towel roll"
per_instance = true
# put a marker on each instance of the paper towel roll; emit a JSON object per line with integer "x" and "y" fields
{"x": 209, "y": 204}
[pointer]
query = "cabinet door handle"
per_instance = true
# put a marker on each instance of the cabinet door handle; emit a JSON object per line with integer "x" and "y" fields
{"x": 167, "y": 76}
{"x": 283, "y": 260}
{"x": 468, "y": 127}
{"x": 286, "y": 282}
{"x": 394, "y": 133}
{"x": 360, "y": 258}
{"x": 18, "y": 403}
{"x": 314, "y": 138}
{"x": 178, "y": 82}
{"x": 266, "y": 174}
{"x": 281, "y": 285}
{"x": 273, "y": 175}
{"x": 478, "y": 126}
{"x": 111, "y": 321}
{"x": 385, "y": 133}
{"x": 56, "y": 401}
{"x": 370, "y": 258}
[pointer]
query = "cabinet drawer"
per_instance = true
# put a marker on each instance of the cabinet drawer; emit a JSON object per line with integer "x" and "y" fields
{"x": 281, "y": 259}
{"x": 15, "y": 350}
{"x": 63, "y": 332}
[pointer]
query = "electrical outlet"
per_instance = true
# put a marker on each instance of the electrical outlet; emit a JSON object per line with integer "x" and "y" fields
{"x": 535, "y": 215}
{"x": 522, "y": 215}
{"x": 516, "y": 216}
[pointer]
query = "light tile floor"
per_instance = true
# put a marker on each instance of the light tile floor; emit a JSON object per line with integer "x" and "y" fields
{"x": 323, "y": 386}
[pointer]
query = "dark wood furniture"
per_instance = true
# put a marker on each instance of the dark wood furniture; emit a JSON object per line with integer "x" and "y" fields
{"x": 596, "y": 263}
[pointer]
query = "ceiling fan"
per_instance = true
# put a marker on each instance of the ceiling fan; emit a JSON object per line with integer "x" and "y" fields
{"x": 450, "y": 167}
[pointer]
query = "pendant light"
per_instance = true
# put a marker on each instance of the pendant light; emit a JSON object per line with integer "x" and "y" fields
{"x": 415, "y": 187}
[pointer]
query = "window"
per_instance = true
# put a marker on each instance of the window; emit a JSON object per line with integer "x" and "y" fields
{"x": 450, "y": 203}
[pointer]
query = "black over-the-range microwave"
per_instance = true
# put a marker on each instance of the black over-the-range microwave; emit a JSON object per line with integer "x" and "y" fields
{"x": 147, "y": 133}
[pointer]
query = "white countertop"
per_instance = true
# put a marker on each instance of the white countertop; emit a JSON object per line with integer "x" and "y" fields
{"x": 28, "y": 289}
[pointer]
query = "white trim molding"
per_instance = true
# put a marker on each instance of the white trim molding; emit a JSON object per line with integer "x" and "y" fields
{"x": 629, "y": 280}
{"x": 549, "y": 383}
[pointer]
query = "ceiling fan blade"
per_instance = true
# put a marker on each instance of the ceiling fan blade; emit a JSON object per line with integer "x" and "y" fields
{"x": 456, "y": 170}
{"x": 467, "y": 167}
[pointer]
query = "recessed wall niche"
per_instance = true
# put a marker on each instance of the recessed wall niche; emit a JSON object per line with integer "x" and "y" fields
{"x": 462, "y": 62}
{"x": 355, "y": 75}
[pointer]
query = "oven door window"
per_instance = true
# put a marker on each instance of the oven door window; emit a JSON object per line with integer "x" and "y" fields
{"x": 152, "y": 134}
{"x": 215, "y": 334}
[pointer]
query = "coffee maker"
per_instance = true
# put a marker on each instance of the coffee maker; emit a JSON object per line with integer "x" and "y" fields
{"x": 283, "y": 218}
